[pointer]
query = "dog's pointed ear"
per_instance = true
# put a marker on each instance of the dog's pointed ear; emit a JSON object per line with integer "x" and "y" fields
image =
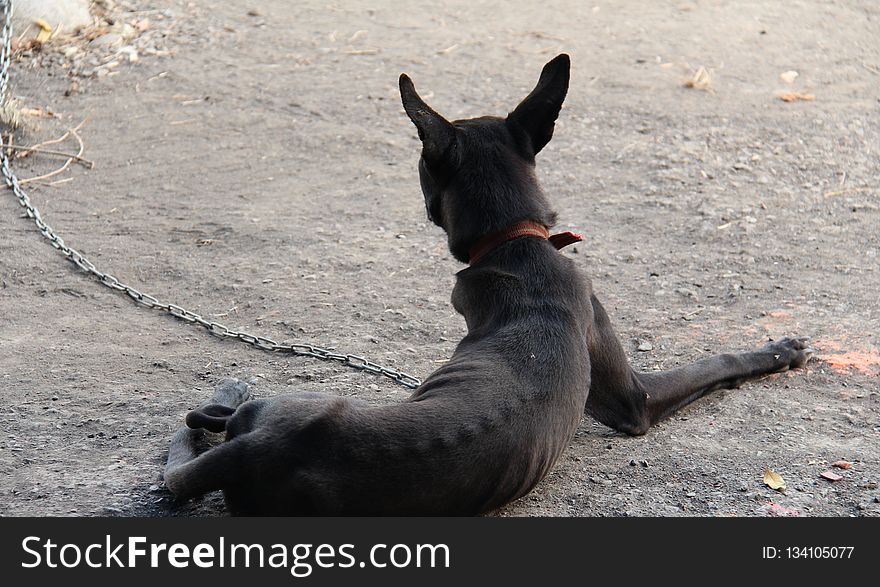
{"x": 436, "y": 133}
{"x": 538, "y": 112}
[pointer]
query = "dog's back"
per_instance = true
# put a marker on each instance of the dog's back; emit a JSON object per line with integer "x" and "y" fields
{"x": 482, "y": 430}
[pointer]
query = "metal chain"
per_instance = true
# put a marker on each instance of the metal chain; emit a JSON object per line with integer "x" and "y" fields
{"x": 146, "y": 300}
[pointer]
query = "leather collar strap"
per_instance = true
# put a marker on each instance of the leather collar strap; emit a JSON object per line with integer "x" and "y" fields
{"x": 489, "y": 243}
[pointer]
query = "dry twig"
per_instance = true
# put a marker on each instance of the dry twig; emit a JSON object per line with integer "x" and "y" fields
{"x": 846, "y": 191}
{"x": 71, "y": 158}
{"x": 34, "y": 149}
{"x": 701, "y": 80}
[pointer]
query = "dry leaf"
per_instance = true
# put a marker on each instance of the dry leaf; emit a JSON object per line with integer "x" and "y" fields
{"x": 701, "y": 80}
{"x": 831, "y": 476}
{"x": 45, "y": 30}
{"x": 841, "y": 464}
{"x": 788, "y": 76}
{"x": 773, "y": 480}
{"x": 795, "y": 96}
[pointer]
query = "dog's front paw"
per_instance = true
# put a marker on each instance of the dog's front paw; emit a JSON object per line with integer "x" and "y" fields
{"x": 789, "y": 353}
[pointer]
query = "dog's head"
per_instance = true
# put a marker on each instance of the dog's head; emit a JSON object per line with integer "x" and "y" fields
{"x": 478, "y": 174}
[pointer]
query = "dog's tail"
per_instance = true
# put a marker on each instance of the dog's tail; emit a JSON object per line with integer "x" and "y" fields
{"x": 212, "y": 417}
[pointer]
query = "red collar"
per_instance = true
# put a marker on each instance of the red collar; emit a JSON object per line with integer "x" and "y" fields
{"x": 490, "y": 242}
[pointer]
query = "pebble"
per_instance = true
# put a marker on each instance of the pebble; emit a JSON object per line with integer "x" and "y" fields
{"x": 130, "y": 53}
{"x": 107, "y": 40}
{"x": 645, "y": 346}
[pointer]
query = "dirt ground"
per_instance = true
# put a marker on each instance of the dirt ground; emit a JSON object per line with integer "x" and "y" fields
{"x": 258, "y": 168}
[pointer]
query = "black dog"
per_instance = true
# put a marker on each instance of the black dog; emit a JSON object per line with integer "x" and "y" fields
{"x": 486, "y": 427}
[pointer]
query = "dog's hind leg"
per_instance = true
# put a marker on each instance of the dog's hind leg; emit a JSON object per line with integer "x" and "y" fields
{"x": 209, "y": 471}
{"x": 632, "y": 402}
{"x": 212, "y": 415}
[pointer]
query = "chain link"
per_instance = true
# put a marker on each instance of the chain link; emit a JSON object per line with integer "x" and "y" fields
{"x": 146, "y": 300}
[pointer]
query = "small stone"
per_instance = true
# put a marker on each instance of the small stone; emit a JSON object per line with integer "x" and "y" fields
{"x": 644, "y": 463}
{"x": 130, "y": 53}
{"x": 789, "y": 76}
{"x": 107, "y": 40}
{"x": 645, "y": 346}
{"x": 69, "y": 14}
{"x": 831, "y": 476}
{"x": 691, "y": 494}
{"x": 632, "y": 463}
{"x": 154, "y": 488}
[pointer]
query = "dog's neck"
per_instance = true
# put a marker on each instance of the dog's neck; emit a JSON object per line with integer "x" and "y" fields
{"x": 492, "y": 241}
